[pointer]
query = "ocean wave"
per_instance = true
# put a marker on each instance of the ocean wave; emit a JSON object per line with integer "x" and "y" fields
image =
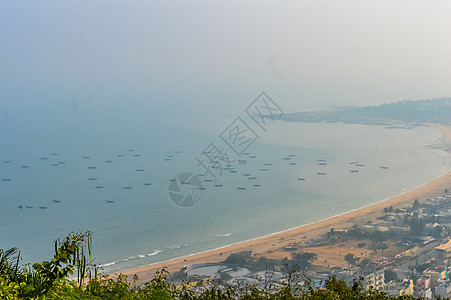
{"x": 223, "y": 235}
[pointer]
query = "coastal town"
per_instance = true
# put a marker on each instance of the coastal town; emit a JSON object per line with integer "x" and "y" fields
{"x": 405, "y": 251}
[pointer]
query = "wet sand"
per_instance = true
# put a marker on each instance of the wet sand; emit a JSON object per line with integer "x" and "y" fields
{"x": 271, "y": 244}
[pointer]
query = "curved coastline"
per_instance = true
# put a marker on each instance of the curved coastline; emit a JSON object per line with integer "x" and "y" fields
{"x": 275, "y": 241}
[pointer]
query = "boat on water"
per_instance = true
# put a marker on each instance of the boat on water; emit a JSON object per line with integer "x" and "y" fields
{"x": 25, "y": 167}
{"x": 99, "y": 186}
{"x": 147, "y": 183}
{"x": 120, "y": 155}
{"x": 264, "y": 169}
{"x": 127, "y": 187}
{"x": 242, "y": 161}
{"x": 252, "y": 156}
{"x": 178, "y": 152}
{"x": 208, "y": 180}
{"x": 6, "y": 179}
{"x": 28, "y": 206}
{"x": 92, "y": 167}
{"x": 291, "y": 155}
{"x": 360, "y": 165}
{"x": 92, "y": 178}
{"x": 61, "y": 162}
{"x": 136, "y": 155}
{"x": 267, "y": 164}
{"x": 323, "y": 164}
{"x": 6, "y": 161}
{"x": 384, "y": 167}
{"x": 42, "y": 207}
{"x": 201, "y": 188}
{"x": 251, "y": 178}
{"x": 172, "y": 180}
{"x": 300, "y": 178}
{"x": 257, "y": 185}
{"x": 287, "y": 158}
{"x": 85, "y": 157}
{"x": 292, "y": 163}
{"x": 109, "y": 201}
{"x": 139, "y": 170}
{"x": 218, "y": 185}
{"x": 233, "y": 171}
{"x": 56, "y": 201}
{"x": 321, "y": 173}
{"x": 247, "y": 174}
{"x": 321, "y": 160}
{"x": 167, "y": 159}
{"x": 20, "y": 206}
{"x": 54, "y": 165}
{"x": 108, "y": 161}
{"x": 354, "y": 171}
{"x": 353, "y": 162}
{"x": 43, "y": 158}
{"x": 241, "y": 188}
{"x": 54, "y": 154}
{"x": 130, "y": 150}
{"x": 246, "y": 153}
{"x": 200, "y": 175}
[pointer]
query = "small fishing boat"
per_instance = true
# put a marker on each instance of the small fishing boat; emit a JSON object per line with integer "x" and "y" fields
{"x": 251, "y": 178}
{"x": 287, "y": 158}
{"x": 300, "y": 178}
{"x": 61, "y": 162}
{"x": 321, "y": 160}
{"x": 264, "y": 169}
{"x": 292, "y": 163}
{"x": 99, "y": 186}
{"x": 257, "y": 185}
{"x": 384, "y": 167}
{"x": 354, "y": 171}
{"x": 321, "y": 173}
{"x": 92, "y": 167}
{"x": 25, "y": 167}
{"x": 247, "y": 174}
{"x": 127, "y": 187}
{"x": 43, "y": 158}
{"x": 208, "y": 180}
{"x": 6, "y": 179}
{"x": 42, "y": 207}
{"x": 323, "y": 164}
{"x": 267, "y": 164}
{"x": 360, "y": 165}
{"x": 20, "y": 206}
{"x": 54, "y": 154}
{"x": 130, "y": 150}
{"x": 108, "y": 161}
{"x": 147, "y": 183}
{"x": 85, "y": 157}
{"x": 218, "y": 185}
{"x": 28, "y": 206}
{"x": 139, "y": 170}
{"x": 109, "y": 201}
{"x": 252, "y": 156}
{"x": 136, "y": 155}
{"x": 56, "y": 201}
{"x": 54, "y": 165}
{"x": 92, "y": 178}
{"x": 6, "y": 161}
{"x": 120, "y": 155}
{"x": 241, "y": 188}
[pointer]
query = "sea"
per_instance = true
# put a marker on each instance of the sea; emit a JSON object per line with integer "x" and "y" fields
{"x": 109, "y": 171}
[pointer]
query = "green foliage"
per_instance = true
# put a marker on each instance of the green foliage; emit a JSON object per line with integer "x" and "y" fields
{"x": 390, "y": 275}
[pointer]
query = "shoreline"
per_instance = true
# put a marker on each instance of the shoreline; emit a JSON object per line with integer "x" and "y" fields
{"x": 274, "y": 242}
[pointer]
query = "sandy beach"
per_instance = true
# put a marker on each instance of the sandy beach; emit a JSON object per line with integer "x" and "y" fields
{"x": 272, "y": 244}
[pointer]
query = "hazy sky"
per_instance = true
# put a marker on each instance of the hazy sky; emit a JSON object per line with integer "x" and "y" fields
{"x": 216, "y": 56}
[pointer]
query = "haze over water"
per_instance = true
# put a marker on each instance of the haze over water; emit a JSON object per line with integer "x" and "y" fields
{"x": 88, "y": 81}
{"x": 113, "y": 180}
